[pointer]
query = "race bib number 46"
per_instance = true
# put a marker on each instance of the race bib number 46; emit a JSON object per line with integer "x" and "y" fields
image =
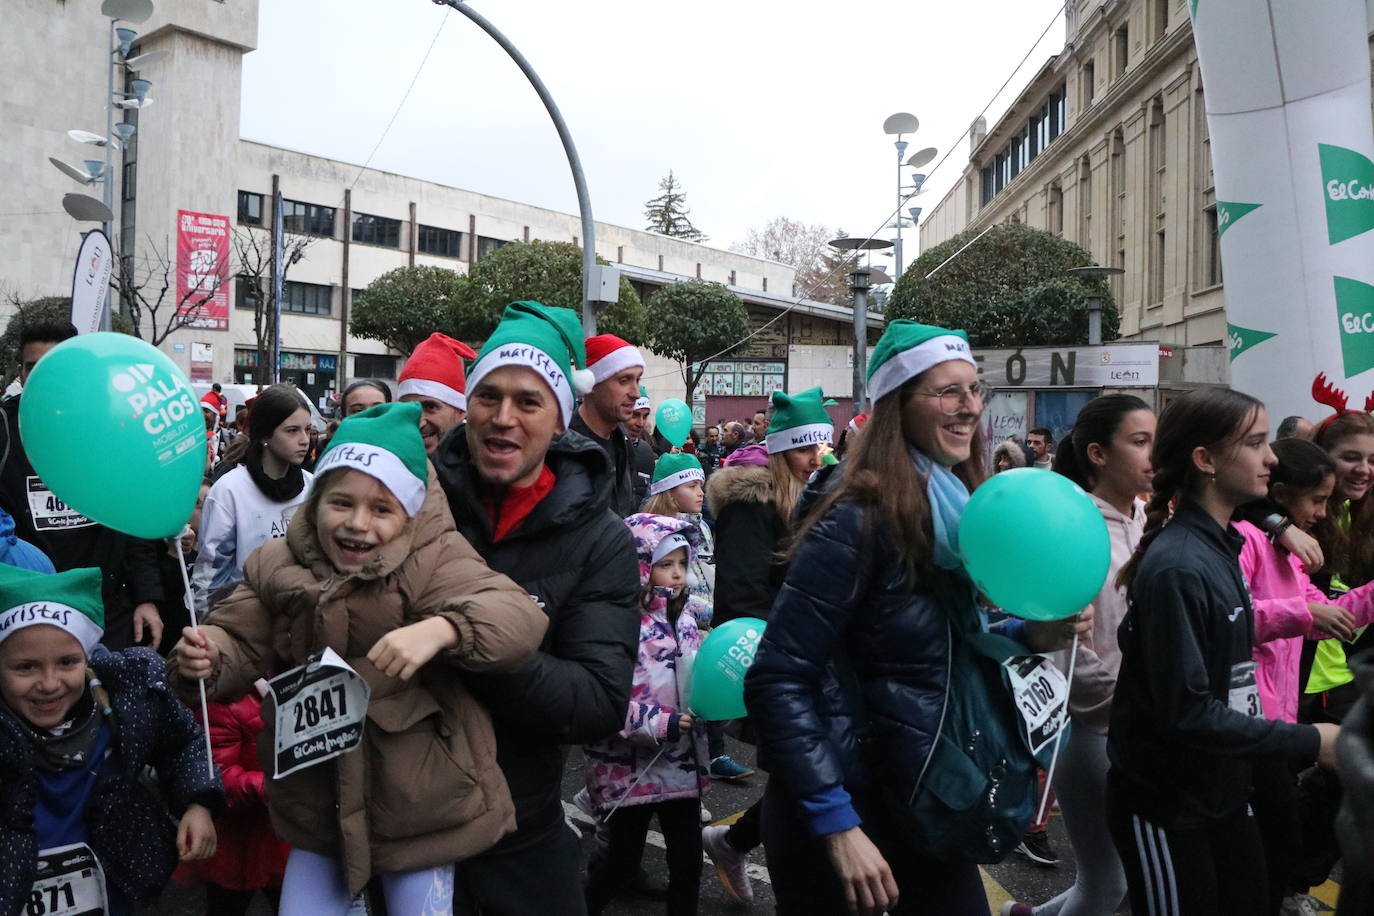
{"x": 321, "y": 707}
{"x": 1041, "y": 693}
{"x": 68, "y": 882}
{"x": 50, "y": 513}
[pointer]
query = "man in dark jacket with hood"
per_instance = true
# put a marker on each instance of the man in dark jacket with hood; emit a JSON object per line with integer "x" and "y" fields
{"x": 532, "y": 499}
{"x": 615, "y": 367}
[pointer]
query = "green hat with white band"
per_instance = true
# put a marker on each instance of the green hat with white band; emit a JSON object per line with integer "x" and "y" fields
{"x": 642, "y": 402}
{"x": 384, "y": 443}
{"x": 70, "y": 601}
{"x": 799, "y": 420}
{"x": 907, "y": 349}
{"x": 675, "y": 470}
{"x": 544, "y": 338}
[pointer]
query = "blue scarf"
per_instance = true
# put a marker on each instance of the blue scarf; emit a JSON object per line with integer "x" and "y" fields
{"x": 947, "y": 496}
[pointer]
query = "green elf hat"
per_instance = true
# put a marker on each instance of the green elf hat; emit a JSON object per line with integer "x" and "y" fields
{"x": 673, "y": 471}
{"x": 907, "y": 349}
{"x": 70, "y": 601}
{"x": 544, "y": 338}
{"x": 383, "y": 442}
{"x": 799, "y": 420}
{"x": 642, "y": 402}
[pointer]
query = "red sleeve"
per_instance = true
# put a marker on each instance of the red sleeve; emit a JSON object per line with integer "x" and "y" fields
{"x": 232, "y": 731}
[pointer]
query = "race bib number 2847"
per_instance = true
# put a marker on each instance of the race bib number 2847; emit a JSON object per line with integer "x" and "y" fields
{"x": 321, "y": 707}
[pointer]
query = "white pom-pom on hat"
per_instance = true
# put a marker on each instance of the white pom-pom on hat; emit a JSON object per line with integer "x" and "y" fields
{"x": 583, "y": 381}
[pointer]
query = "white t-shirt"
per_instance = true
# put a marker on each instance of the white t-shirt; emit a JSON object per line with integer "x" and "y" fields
{"x": 236, "y": 520}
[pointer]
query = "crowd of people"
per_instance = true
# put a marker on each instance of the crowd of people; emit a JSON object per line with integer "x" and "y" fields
{"x": 404, "y": 622}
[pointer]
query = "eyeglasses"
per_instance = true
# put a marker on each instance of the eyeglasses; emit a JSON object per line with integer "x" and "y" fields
{"x": 952, "y": 396}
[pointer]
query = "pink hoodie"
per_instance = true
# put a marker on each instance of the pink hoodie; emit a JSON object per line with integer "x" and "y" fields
{"x": 1280, "y": 591}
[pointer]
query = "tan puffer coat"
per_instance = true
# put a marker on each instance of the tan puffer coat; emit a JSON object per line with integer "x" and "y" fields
{"x": 424, "y": 788}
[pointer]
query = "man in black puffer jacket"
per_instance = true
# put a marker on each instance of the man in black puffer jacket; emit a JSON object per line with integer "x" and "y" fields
{"x": 532, "y": 499}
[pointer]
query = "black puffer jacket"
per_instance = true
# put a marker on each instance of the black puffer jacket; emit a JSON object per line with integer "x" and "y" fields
{"x": 127, "y": 825}
{"x": 749, "y": 535}
{"x": 844, "y": 594}
{"x": 577, "y": 560}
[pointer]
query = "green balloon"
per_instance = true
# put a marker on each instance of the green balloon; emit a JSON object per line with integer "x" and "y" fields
{"x": 674, "y": 421}
{"x": 1035, "y": 544}
{"x": 112, "y": 427}
{"x": 718, "y": 672}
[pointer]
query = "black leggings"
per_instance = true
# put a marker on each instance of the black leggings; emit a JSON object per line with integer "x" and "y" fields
{"x": 626, "y": 830}
{"x": 1217, "y": 870}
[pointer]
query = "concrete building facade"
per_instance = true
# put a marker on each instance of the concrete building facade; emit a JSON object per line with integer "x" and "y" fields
{"x": 187, "y": 155}
{"x": 1108, "y": 147}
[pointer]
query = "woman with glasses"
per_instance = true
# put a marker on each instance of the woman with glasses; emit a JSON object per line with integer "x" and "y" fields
{"x": 859, "y": 639}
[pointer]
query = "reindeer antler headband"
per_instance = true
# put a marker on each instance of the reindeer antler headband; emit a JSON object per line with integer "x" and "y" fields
{"x": 1323, "y": 392}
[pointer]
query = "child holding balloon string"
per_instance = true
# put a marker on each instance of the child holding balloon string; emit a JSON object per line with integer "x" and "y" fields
{"x": 656, "y": 765}
{"x": 372, "y": 569}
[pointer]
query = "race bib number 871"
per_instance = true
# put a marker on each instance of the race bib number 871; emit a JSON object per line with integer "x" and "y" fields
{"x": 67, "y": 882}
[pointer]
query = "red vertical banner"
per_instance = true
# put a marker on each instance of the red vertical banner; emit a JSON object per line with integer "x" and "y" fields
{"x": 203, "y": 269}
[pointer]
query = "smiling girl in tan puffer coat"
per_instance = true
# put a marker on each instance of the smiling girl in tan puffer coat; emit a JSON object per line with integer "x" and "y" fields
{"x": 374, "y": 570}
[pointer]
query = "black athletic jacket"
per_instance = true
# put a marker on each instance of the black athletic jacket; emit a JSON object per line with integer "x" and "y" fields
{"x": 1183, "y": 730}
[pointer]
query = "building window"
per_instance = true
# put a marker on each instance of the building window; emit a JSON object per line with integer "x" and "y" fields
{"x": 245, "y": 297}
{"x": 250, "y": 208}
{"x": 1160, "y": 16}
{"x": 1157, "y": 166}
{"x": 1059, "y": 112}
{"x": 306, "y": 298}
{"x": 376, "y": 230}
{"x": 370, "y": 365}
{"x": 1211, "y": 253}
{"x": 486, "y": 246}
{"x": 1054, "y": 206}
{"x": 1121, "y": 50}
{"x": 301, "y": 218}
{"x": 444, "y": 243}
{"x": 1089, "y": 81}
{"x": 1085, "y": 203}
{"x": 986, "y": 190}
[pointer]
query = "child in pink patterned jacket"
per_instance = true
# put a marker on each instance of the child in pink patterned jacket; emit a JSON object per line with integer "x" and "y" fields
{"x": 657, "y": 764}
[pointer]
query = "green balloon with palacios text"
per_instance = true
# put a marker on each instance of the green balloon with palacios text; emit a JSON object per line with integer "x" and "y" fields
{"x": 113, "y": 429}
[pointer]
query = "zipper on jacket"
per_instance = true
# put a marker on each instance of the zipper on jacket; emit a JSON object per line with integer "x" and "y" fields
{"x": 944, "y": 707}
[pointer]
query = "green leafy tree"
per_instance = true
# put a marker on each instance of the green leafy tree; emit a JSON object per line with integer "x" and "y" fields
{"x": 668, "y": 214}
{"x": 46, "y": 310}
{"x": 404, "y": 306}
{"x": 551, "y": 273}
{"x": 1008, "y": 289}
{"x": 692, "y": 321}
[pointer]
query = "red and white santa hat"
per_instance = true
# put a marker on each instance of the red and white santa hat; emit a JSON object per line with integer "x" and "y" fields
{"x": 435, "y": 370}
{"x": 608, "y": 356}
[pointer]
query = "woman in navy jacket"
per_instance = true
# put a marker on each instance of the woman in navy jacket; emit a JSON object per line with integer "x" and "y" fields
{"x": 872, "y": 582}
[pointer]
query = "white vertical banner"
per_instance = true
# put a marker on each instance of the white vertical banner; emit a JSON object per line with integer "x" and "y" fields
{"x": 91, "y": 281}
{"x": 1288, "y": 108}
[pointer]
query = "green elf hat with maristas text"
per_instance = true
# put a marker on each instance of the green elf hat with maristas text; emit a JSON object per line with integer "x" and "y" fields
{"x": 673, "y": 471}
{"x": 544, "y": 338}
{"x": 799, "y": 420}
{"x": 907, "y": 349}
{"x": 384, "y": 443}
{"x": 642, "y": 402}
{"x": 70, "y": 601}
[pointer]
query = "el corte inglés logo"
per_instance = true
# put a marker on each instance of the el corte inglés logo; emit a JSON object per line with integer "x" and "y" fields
{"x": 1355, "y": 309}
{"x": 1348, "y": 188}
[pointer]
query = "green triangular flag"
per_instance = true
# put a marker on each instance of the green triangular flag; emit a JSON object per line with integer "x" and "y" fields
{"x": 1241, "y": 339}
{"x": 1355, "y": 312}
{"x": 1228, "y": 212}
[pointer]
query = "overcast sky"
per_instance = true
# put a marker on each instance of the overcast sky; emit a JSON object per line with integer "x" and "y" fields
{"x": 761, "y": 107}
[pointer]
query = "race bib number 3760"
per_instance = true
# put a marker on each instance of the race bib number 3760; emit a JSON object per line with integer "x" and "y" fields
{"x": 1041, "y": 694}
{"x": 321, "y": 707}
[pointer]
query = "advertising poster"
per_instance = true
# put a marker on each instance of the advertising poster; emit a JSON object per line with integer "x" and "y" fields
{"x": 1287, "y": 95}
{"x": 203, "y": 269}
{"x": 202, "y": 362}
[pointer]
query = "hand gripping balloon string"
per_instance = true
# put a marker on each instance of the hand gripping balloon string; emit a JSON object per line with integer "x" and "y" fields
{"x": 1059, "y": 738}
{"x": 638, "y": 776}
{"x": 190, "y": 600}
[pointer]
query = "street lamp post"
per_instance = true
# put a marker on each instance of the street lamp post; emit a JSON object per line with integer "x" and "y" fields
{"x": 1093, "y": 302}
{"x": 599, "y": 284}
{"x": 860, "y": 282}
{"x": 898, "y": 125}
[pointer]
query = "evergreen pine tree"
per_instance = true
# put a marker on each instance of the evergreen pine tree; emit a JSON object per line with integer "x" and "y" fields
{"x": 667, "y": 213}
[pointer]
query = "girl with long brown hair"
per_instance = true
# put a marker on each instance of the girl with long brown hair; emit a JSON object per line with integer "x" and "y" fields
{"x": 876, "y": 589}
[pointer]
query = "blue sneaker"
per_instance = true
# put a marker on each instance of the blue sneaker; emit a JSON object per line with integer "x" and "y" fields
{"x": 725, "y": 768}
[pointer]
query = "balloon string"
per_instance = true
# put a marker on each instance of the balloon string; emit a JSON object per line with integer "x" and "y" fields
{"x": 1059, "y": 738}
{"x": 190, "y": 600}
{"x": 638, "y": 776}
